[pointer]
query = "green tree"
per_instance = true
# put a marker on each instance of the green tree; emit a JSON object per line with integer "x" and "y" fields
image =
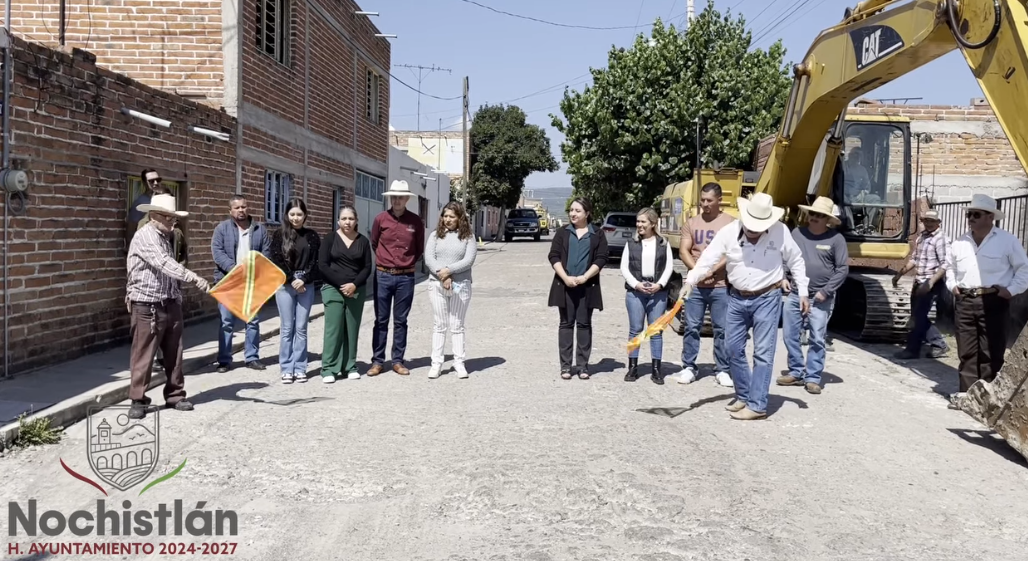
{"x": 633, "y": 132}
{"x": 505, "y": 150}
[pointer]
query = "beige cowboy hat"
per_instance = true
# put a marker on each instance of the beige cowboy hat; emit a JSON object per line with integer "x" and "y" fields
{"x": 398, "y": 188}
{"x": 986, "y": 203}
{"x": 163, "y": 203}
{"x": 931, "y": 215}
{"x": 759, "y": 213}
{"x": 825, "y": 206}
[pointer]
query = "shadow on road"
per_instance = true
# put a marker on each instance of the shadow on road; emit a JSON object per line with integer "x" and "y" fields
{"x": 775, "y": 402}
{"x": 940, "y": 371}
{"x": 605, "y": 366}
{"x": 231, "y": 393}
{"x": 991, "y": 441}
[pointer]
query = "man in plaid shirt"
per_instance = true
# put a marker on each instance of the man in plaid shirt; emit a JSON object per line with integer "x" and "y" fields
{"x": 154, "y": 302}
{"x": 929, "y": 261}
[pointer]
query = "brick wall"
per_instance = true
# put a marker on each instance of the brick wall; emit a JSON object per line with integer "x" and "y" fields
{"x": 67, "y": 252}
{"x": 175, "y": 45}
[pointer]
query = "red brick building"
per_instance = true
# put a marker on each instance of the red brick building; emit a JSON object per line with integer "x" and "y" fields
{"x": 302, "y": 95}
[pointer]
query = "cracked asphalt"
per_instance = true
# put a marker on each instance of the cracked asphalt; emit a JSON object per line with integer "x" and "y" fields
{"x": 515, "y": 463}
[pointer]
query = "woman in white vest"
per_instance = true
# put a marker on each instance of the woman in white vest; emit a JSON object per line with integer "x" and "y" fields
{"x": 646, "y": 264}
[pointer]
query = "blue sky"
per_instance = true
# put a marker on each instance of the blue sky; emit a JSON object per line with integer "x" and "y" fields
{"x": 507, "y": 58}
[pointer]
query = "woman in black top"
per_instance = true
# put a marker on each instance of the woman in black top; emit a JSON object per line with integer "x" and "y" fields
{"x": 295, "y": 248}
{"x": 578, "y": 254}
{"x": 345, "y": 266}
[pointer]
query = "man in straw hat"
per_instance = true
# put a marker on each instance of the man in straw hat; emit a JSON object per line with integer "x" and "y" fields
{"x": 755, "y": 247}
{"x": 825, "y": 260}
{"x": 155, "y": 304}
{"x": 985, "y": 268}
{"x": 929, "y": 262}
{"x": 398, "y": 239}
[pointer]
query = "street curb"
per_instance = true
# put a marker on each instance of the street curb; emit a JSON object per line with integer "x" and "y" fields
{"x": 74, "y": 409}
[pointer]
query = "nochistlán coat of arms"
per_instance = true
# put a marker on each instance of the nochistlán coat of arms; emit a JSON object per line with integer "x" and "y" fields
{"x": 122, "y": 451}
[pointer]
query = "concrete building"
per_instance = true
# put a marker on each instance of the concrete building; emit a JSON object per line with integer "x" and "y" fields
{"x": 431, "y": 188}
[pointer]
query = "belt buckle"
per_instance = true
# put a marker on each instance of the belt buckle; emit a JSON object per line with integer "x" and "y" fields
{"x": 974, "y": 292}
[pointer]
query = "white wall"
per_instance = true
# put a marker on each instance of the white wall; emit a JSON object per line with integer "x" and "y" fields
{"x": 405, "y": 168}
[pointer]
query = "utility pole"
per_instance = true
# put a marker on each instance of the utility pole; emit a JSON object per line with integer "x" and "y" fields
{"x": 421, "y": 76}
{"x": 467, "y": 147}
{"x": 690, "y": 11}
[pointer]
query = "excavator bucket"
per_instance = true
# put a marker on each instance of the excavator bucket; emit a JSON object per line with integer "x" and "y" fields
{"x": 1002, "y": 405}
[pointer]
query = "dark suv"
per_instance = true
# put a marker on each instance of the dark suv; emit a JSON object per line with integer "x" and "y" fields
{"x": 522, "y": 222}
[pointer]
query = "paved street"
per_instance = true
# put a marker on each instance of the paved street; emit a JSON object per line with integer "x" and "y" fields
{"x": 515, "y": 463}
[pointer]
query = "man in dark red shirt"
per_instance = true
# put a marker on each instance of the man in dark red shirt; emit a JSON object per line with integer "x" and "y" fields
{"x": 398, "y": 238}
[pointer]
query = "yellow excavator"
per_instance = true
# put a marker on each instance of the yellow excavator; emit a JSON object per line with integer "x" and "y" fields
{"x": 876, "y": 42}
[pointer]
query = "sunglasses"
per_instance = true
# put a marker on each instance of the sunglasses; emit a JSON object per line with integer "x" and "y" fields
{"x": 975, "y": 214}
{"x": 157, "y": 180}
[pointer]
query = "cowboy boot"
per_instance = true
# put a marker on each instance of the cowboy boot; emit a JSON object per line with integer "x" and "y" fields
{"x": 633, "y": 370}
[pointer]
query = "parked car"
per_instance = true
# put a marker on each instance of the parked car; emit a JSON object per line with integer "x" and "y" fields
{"x": 619, "y": 227}
{"x": 523, "y": 222}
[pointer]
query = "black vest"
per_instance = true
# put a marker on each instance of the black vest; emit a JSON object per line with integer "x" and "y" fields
{"x": 635, "y": 249}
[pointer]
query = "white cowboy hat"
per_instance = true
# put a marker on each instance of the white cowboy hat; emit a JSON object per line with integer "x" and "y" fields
{"x": 759, "y": 213}
{"x": 398, "y": 188}
{"x": 931, "y": 215}
{"x": 823, "y": 205}
{"x": 985, "y": 203}
{"x": 163, "y": 203}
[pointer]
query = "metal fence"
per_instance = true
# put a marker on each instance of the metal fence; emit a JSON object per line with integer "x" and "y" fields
{"x": 1015, "y": 220}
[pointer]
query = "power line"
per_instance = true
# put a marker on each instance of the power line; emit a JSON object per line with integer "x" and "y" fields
{"x": 555, "y": 24}
{"x": 420, "y": 77}
{"x": 526, "y": 96}
{"x": 799, "y": 5}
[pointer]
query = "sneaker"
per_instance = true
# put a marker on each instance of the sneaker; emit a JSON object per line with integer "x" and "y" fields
{"x": 461, "y": 371}
{"x": 328, "y": 379}
{"x": 724, "y": 379}
{"x": 433, "y": 372}
{"x": 287, "y": 378}
{"x": 937, "y": 352}
{"x": 687, "y": 376}
{"x": 353, "y": 375}
{"x": 300, "y": 377}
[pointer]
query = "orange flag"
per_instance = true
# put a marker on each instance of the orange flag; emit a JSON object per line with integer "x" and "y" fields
{"x": 661, "y": 323}
{"x": 248, "y": 286}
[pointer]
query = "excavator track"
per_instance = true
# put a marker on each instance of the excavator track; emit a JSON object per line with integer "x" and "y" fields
{"x": 869, "y": 308}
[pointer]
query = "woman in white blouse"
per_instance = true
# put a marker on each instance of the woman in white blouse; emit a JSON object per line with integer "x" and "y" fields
{"x": 646, "y": 264}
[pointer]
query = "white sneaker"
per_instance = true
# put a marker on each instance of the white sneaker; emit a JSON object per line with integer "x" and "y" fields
{"x": 433, "y": 373}
{"x": 687, "y": 376}
{"x": 725, "y": 379}
{"x": 353, "y": 376}
{"x": 287, "y": 378}
{"x": 461, "y": 371}
{"x": 328, "y": 379}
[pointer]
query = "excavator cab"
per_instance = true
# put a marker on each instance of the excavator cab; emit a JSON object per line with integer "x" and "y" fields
{"x": 871, "y": 184}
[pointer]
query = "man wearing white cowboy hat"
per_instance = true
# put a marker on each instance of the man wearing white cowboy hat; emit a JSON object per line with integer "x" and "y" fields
{"x": 756, "y": 248}
{"x": 155, "y": 304}
{"x": 985, "y": 268}
{"x": 398, "y": 239}
{"x": 825, "y": 260}
{"x": 929, "y": 261}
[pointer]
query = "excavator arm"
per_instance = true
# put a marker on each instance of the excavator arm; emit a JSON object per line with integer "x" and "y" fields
{"x": 877, "y": 42}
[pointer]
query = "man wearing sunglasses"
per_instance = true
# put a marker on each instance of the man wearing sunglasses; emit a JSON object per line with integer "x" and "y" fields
{"x": 929, "y": 262}
{"x": 985, "y": 268}
{"x": 825, "y": 259}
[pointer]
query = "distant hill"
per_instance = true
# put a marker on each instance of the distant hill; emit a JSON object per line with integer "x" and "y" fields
{"x": 554, "y": 199}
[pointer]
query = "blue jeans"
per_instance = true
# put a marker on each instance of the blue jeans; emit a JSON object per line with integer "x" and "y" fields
{"x": 924, "y": 330}
{"x": 699, "y": 301}
{"x": 793, "y": 325}
{"x": 294, "y": 311}
{"x": 395, "y": 292}
{"x": 643, "y": 310}
{"x": 253, "y": 337}
{"x": 762, "y": 314}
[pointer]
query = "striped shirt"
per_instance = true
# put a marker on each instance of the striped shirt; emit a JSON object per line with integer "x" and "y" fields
{"x": 153, "y": 273}
{"x": 930, "y": 254}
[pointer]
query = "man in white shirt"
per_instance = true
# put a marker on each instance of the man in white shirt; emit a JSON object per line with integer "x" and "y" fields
{"x": 985, "y": 268}
{"x": 757, "y": 247}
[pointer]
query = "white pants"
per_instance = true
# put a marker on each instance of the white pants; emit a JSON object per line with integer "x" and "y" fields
{"x": 448, "y": 310}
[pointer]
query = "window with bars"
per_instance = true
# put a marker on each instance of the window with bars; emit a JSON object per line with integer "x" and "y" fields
{"x": 273, "y": 28}
{"x": 369, "y": 187}
{"x": 277, "y": 186}
{"x": 372, "y": 93}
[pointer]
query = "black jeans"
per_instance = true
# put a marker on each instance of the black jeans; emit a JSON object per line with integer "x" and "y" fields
{"x": 575, "y": 313}
{"x": 981, "y": 337}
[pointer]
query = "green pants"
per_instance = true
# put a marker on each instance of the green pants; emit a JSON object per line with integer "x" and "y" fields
{"x": 342, "y": 325}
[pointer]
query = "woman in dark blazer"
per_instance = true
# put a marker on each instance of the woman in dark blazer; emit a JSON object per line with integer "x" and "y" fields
{"x": 578, "y": 254}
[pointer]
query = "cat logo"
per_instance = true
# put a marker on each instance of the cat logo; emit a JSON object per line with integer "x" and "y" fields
{"x": 874, "y": 42}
